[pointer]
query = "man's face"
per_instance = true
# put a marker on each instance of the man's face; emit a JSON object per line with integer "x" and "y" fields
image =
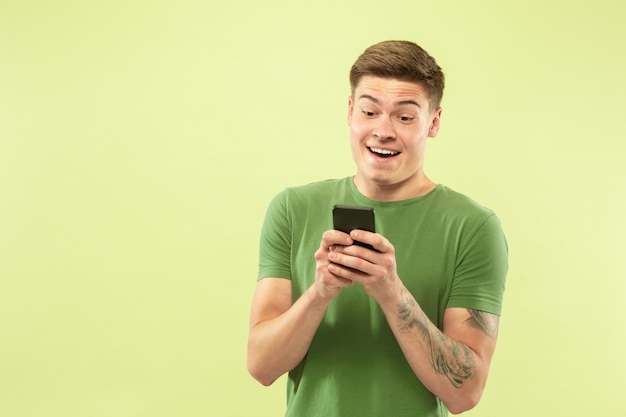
{"x": 390, "y": 121}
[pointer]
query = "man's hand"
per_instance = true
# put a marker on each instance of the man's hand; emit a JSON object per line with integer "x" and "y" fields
{"x": 374, "y": 269}
{"x": 327, "y": 283}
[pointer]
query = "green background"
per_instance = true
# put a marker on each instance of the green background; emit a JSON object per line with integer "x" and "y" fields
{"x": 141, "y": 141}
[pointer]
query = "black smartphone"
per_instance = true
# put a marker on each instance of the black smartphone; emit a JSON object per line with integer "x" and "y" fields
{"x": 348, "y": 218}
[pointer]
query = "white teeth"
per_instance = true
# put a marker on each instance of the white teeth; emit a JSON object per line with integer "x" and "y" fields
{"x": 383, "y": 151}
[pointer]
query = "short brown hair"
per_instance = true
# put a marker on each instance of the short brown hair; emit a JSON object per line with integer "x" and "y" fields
{"x": 404, "y": 61}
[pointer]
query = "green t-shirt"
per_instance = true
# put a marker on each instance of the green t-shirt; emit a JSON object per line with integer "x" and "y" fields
{"x": 450, "y": 252}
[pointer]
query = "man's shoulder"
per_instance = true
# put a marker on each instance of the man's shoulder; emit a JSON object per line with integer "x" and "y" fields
{"x": 317, "y": 190}
{"x": 323, "y": 185}
{"x": 456, "y": 201}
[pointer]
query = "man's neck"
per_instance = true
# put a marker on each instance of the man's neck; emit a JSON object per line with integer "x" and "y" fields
{"x": 412, "y": 188}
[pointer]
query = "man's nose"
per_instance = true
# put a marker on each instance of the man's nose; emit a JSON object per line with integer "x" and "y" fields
{"x": 384, "y": 130}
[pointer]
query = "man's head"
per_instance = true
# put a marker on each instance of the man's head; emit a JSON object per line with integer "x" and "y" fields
{"x": 403, "y": 61}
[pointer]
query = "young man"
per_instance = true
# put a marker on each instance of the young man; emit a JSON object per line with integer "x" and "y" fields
{"x": 407, "y": 329}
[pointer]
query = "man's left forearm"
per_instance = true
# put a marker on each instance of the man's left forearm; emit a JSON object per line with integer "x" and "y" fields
{"x": 452, "y": 370}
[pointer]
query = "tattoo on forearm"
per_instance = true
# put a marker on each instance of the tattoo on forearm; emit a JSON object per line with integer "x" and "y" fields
{"x": 448, "y": 357}
{"x": 406, "y": 311}
{"x": 451, "y": 358}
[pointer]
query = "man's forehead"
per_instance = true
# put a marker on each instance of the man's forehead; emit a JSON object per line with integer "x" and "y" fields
{"x": 379, "y": 90}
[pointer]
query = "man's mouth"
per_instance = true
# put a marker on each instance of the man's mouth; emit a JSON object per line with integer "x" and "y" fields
{"x": 383, "y": 153}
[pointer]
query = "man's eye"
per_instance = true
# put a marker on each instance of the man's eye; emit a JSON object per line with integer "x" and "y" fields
{"x": 406, "y": 118}
{"x": 368, "y": 113}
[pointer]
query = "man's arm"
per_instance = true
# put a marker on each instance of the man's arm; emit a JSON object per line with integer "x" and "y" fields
{"x": 281, "y": 332}
{"x": 452, "y": 364}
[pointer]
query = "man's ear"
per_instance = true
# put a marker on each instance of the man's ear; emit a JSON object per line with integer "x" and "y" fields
{"x": 435, "y": 123}
{"x": 350, "y": 108}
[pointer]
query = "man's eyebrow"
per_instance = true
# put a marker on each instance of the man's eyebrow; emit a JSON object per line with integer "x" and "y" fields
{"x": 398, "y": 104}
{"x": 370, "y": 98}
{"x": 406, "y": 102}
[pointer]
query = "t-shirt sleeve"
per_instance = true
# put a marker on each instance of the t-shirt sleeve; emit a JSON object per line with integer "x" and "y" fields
{"x": 275, "y": 241}
{"x": 481, "y": 269}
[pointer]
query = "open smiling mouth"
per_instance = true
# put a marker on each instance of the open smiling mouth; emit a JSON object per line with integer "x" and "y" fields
{"x": 383, "y": 153}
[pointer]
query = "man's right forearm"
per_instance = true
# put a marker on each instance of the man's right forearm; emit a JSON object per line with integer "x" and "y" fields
{"x": 277, "y": 345}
